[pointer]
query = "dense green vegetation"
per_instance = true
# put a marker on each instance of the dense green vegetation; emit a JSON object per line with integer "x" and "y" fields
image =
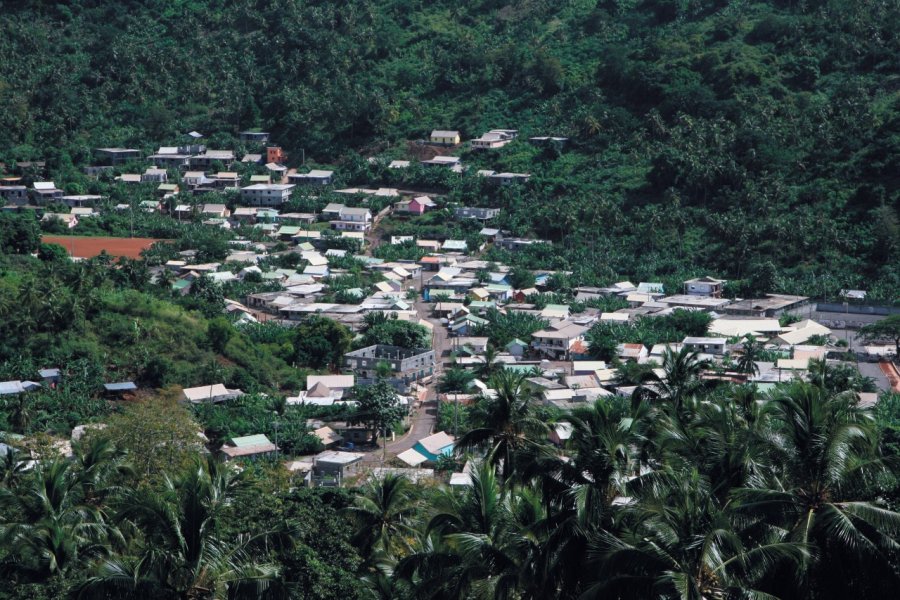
{"x": 757, "y": 140}
{"x": 698, "y": 493}
{"x": 751, "y": 139}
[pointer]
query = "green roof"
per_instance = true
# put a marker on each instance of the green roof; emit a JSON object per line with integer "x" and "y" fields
{"x": 482, "y": 304}
{"x": 250, "y": 440}
{"x": 260, "y": 178}
{"x": 289, "y": 230}
{"x": 498, "y": 287}
{"x": 180, "y": 284}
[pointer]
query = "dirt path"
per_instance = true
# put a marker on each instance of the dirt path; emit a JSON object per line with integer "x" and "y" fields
{"x": 892, "y": 373}
{"x": 373, "y": 237}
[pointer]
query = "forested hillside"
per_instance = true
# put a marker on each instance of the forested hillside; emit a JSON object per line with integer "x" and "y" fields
{"x": 758, "y": 140}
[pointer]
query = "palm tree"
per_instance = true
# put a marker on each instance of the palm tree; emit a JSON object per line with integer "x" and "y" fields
{"x": 485, "y": 543}
{"x": 749, "y": 356}
{"x": 504, "y": 424}
{"x": 825, "y": 454}
{"x": 176, "y": 552}
{"x": 681, "y": 379}
{"x": 456, "y": 379}
{"x": 385, "y": 514}
{"x": 680, "y": 542}
{"x": 489, "y": 365}
{"x": 54, "y": 531}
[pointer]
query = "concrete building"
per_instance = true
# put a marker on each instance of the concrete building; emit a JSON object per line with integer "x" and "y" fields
{"x": 262, "y": 194}
{"x": 406, "y": 365}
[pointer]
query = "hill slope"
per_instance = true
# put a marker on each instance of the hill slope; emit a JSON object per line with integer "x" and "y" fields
{"x": 758, "y": 140}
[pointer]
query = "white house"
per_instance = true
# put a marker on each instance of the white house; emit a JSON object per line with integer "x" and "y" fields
{"x": 263, "y": 194}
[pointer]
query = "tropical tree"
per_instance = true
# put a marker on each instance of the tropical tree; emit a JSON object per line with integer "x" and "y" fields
{"x": 456, "y": 379}
{"x": 386, "y": 514}
{"x": 680, "y": 379}
{"x": 680, "y": 542}
{"x": 887, "y": 329}
{"x": 505, "y": 423}
{"x": 175, "y": 550}
{"x": 749, "y": 356}
{"x": 49, "y": 530}
{"x": 825, "y": 458}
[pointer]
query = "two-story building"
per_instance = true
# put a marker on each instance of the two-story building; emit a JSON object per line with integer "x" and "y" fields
{"x": 211, "y": 157}
{"x": 154, "y": 175}
{"x": 404, "y": 365}
{"x": 46, "y": 192}
{"x": 266, "y": 194}
{"x": 353, "y": 219}
{"x": 558, "y": 340}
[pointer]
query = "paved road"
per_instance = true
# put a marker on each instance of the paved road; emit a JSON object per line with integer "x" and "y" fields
{"x": 424, "y": 418}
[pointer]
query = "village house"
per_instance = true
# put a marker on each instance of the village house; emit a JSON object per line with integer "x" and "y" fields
{"x": 706, "y": 345}
{"x": 211, "y": 157}
{"x": 516, "y": 244}
{"x": 262, "y": 194}
{"x": 773, "y": 305}
{"x": 695, "y": 301}
{"x": 329, "y": 437}
{"x": 399, "y": 164}
{"x": 210, "y": 394}
{"x": 116, "y": 156}
{"x": 444, "y": 137}
{"x": 452, "y": 162}
{"x": 476, "y": 212}
{"x": 435, "y": 445}
{"x": 16, "y": 195}
{"x": 417, "y": 206}
{"x": 226, "y": 180}
{"x": 249, "y": 446}
{"x": 254, "y": 137}
{"x": 495, "y": 138}
{"x": 353, "y": 219}
{"x": 170, "y": 158}
{"x": 314, "y": 177}
{"x": 405, "y": 365}
{"x": 195, "y": 178}
{"x": 275, "y": 155}
{"x": 70, "y": 221}
{"x": 219, "y": 211}
{"x": 252, "y": 159}
{"x": 705, "y": 286}
{"x": 46, "y": 192}
{"x": 332, "y": 466}
{"x": 509, "y": 178}
{"x": 83, "y": 211}
{"x": 154, "y": 175}
{"x": 557, "y": 341}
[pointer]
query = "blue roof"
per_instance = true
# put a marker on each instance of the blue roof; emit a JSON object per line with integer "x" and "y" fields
{"x": 123, "y": 386}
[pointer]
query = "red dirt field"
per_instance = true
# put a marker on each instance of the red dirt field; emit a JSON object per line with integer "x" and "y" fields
{"x": 88, "y": 247}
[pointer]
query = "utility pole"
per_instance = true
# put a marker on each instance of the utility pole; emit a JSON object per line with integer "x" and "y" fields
{"x": 275, "y": 425}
